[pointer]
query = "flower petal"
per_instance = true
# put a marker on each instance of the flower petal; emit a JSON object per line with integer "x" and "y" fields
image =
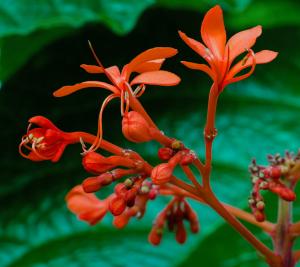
{"x": 213, "y": 31}
{"x": 202, "y": 67}
{"x": 262, "y": 57}
{"x": 43, "y": 122}
{"x": 70, "y": 89}
{"x": 148, "y": 55}
{"x": 160, "y": 77}
{"x": 198, "y": 47}
{"x": 242, "y": 41}
{"x": 92, "y": 68}
{"x": 149, "y": 65}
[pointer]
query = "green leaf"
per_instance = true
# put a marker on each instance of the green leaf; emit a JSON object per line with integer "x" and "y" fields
{"x": 27, "y": 26}
{"x": 246, "y": 13}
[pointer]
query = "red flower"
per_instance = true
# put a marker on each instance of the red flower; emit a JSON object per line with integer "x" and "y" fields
{"x": 86, "y": 206}
{"x": 220, "y": 55}
{"x": 46, "y": 142}
{"x": 146, "y": 64}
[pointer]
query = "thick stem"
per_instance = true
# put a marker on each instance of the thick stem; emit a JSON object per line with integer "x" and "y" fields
{"x": 282, "y": 239}
{"x": 210, "y": 133}
{"x": 271, "y": 258}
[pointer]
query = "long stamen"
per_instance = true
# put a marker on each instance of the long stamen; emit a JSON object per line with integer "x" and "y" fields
{"x": 127, "y": 106}
{"x": 97, "y": 142}
{"x": 139, "y": 91}
{"x": 122, "y": 102}
{"x": 94, "y": 54}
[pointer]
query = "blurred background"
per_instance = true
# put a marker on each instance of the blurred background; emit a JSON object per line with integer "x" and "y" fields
{"x": 42, "y": 44}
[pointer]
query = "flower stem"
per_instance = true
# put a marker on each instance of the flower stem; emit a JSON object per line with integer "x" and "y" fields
{"x": 282, "y": 239}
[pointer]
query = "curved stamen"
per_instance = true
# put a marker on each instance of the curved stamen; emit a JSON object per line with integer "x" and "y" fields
{"x": 97, "y": 142}
{"x": 95, "y": 56}
{"x": 127, "y": 106}
{"x": 99, "y": 63}
{"x": 122, "y": 97}
{"x": 139, "y": 91}
{"x": 246, "y": 75}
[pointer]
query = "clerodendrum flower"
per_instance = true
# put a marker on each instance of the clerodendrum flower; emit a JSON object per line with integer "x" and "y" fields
{"x": 220, "y": 55}
{"x": 45, "y": 142}
{"x": 147, "y": 65}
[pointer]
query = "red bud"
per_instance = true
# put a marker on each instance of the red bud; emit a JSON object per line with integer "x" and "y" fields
{"x": 165, "y": 153}
{"x": 95, "y": 163}
{"x": 180, "y": 233}
{"x": 155, "y": 236}
{"x": 121, "y": 221}
{"x": 259, "y": 216}
{"x": 162, "y": 173}
{"x": 135, "y": 128}
{"x": 117, "y": 205}
{"x": 188, "y": 158}
{"x": 93, "y": 184}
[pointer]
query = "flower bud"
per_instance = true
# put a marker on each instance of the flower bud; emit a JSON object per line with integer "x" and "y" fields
{"x": 96, "y": 163}
{"x": 121, "y": 221}
{"x": 117, "y": 205}
{"x": 135, "y": 128}
{"x": 287, "y": 194}
{"x": 93, "y": 184}
{"x": 130, "y": 196}
{"x": 120, "y": 189}
{"x": 165, "y": 153}
{"x": 155, "y": 236}
{"x": 153, "y": 193}
{"x": 162, "y": 173}
{"x": 259, "y": 215}
{"x": 188, "y": 158}
{"x": 180, "y": 233}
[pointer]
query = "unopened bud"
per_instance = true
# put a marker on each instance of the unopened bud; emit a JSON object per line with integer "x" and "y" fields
{"x": 188, "y": 158}
{"x": 165, "y": 153}
{"x": 259, "y": 216}
{"x": 96, "y": 163}
{"x": 155, "y": 236}
{"x": 180, "y": 233}
{"x": 162, "y": 173}
{"x": 130, "y": 197}
{"x": 153, "y": 194}
{"x": 121, "y": 221}
{"x": 117, "y": 205}
{"x": 135, "y": 128}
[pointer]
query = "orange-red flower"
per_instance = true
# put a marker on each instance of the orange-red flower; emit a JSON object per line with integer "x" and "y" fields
{"x": 86, "y": 206}
{"x": 45, "y": 142}
{"x": 220, "y": 55}
{"x": 147, "y": 65}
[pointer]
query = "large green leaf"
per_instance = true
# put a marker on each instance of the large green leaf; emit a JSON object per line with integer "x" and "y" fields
{"x": 246, "y": 13}
{"x": 255, "y": 117}
{"x": 26, "y": 26}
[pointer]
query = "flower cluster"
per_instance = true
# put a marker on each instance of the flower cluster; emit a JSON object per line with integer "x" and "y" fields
{"x": 277, "y": 178}
{"x": 173, "y": 216}
{"x": 135, "y": 180}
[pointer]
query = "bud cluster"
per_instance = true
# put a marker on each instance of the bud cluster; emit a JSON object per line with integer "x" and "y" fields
{"x": 273, "y": 178}
{"x": 173, "y": 217}
{"x": 176, "y": 155}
